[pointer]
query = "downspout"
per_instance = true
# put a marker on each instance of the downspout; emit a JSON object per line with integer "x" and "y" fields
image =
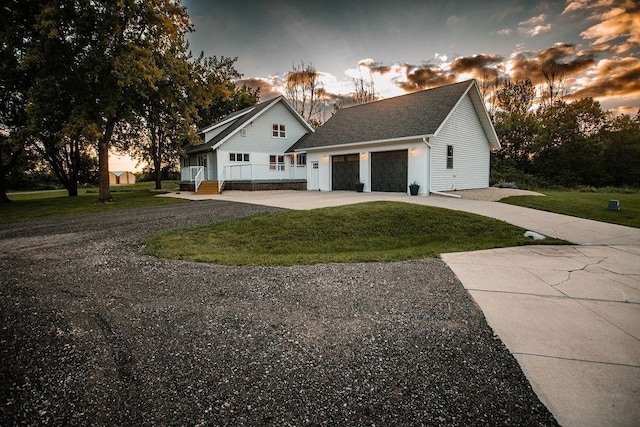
{"x": 426, "y": 141}
{"x": 439, "y": 193}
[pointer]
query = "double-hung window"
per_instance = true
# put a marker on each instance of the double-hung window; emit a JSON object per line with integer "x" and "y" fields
{"x": 276, "y": 162}
{"x": 449, "y": 156}
{"x": 278, "y": 131}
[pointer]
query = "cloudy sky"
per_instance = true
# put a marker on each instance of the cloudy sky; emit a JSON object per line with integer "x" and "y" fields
{"x": 407, "y": 45}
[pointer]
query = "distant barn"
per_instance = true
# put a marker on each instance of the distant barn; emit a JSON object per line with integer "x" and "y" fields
{"x": 121, "y": 177}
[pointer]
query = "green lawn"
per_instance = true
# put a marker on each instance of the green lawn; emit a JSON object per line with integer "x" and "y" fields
{"x": 42, "y": 204}
{"x": 590, "y": 205}
{"x": 367, "y": 232}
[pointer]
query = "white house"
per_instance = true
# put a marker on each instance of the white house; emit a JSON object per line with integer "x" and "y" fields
{"x": 439, "y": 138}
{"x": 248, "y": 150}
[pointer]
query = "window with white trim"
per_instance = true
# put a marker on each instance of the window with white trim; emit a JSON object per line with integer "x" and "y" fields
{"x": 449, "y": 156}
{"x": 238, "y": 157}
{"x": 278, "y": 130}
{"x": 276, "y": 162}
{"x": 302, "y": 160}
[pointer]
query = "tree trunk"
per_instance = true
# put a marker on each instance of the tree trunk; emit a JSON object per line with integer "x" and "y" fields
{"x": 73, "y": 190}
{"x": 103, "y": 163}
{"x": 3, "y": 189}
{"x": 157, "y": 163}
{"x": 6, "y": 165}
{"x": 74, "y": 169}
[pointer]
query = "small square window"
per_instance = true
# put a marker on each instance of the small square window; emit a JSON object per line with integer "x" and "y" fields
{"x": 278, "y": 131}
{"x": 246, "y": 157}
{"x": 232, "y": 157}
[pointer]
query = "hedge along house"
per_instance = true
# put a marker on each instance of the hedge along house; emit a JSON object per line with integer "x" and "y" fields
{"x": 439, "y": 138}
{"x": 247, "y": 150}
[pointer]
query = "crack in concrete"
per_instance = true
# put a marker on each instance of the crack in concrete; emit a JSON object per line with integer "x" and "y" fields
{"x": 570, "y": 272}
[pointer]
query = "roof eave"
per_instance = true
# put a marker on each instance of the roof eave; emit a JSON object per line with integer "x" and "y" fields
{"x": 233, "y": 117}
{"x": 363, "y": 143}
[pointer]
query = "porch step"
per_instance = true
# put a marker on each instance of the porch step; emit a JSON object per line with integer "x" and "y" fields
{"x": 208, "y": 187}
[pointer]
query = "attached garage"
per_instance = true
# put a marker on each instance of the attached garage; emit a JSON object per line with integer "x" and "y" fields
{"x": 406, "y": 139}
{"x": 389, "y": 171}
{"x": 345, "y": 171}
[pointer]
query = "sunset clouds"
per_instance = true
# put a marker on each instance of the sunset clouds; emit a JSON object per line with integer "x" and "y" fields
{"x": 534, "y": 26}
{"x": 410, "y": 45}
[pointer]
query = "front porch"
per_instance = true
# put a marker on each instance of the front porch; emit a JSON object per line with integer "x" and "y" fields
{"x": 249, "y": 177}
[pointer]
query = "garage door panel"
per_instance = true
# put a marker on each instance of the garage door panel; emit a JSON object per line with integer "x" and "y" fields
{"x": 345, "y": 171}
{"x": 389, "y": 171}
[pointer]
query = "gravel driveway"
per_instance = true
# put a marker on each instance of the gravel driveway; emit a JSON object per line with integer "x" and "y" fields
{"x": 94, "y": 333}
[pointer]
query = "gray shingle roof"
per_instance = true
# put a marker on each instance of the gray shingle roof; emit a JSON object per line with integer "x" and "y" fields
{"x": 416, "y": 114}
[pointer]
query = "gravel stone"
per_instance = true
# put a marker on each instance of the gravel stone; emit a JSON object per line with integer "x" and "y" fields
{"x": 95, "y": 333}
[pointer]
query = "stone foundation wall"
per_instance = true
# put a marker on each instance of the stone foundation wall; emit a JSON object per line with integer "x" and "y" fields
{"x": 187, "y": 186}
{"x": 262, "y": 186}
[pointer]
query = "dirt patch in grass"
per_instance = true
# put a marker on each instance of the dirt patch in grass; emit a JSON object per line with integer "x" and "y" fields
{"x": 492, "y": 194}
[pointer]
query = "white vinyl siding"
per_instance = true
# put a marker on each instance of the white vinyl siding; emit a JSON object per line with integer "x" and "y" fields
{"x": 259, "y": 138}
{"x": 463, "y": 131}
{"x": 259, "y": 144}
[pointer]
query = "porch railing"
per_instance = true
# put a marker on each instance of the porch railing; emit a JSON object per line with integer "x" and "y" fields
{"x": 199, "y": 178}
{"x": 188, "y": 173}
{"x": 221, "y": 181}
{"x": 195, "y": 174}
{"x": 262, "y": 172}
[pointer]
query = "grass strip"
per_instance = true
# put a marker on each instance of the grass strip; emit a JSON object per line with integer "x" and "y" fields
{"x": 366, "y": 232}
{"x": 37, "y": 205}
{"x": 589, "y": 205}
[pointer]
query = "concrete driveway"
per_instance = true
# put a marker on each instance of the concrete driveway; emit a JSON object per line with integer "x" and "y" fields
{"x": 569, "y": 314}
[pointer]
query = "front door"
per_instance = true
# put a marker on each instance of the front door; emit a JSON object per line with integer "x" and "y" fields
{"x": 315, "y": 176}
{"x": 202, "y": 161}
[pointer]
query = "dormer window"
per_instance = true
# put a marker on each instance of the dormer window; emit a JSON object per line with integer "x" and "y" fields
{"x": 278, "y": 131}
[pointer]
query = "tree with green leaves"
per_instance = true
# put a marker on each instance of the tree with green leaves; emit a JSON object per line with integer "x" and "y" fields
{"x": 54, "y": 51}
{"x": 568, "y": 144}
{"x": 170, "y": 111}
{"x": 96, "y": 65}
{"x": 16, "y": 23}
{"x": 190, "y": 92}
{"x": 222, "y": 94}
{"x": 515, "y": 123}
{"x": 122, "y": 66}
{"x": 621, "y": 151}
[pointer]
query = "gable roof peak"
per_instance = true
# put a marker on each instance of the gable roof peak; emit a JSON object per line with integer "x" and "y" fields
{"x": 230, "y": 124}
